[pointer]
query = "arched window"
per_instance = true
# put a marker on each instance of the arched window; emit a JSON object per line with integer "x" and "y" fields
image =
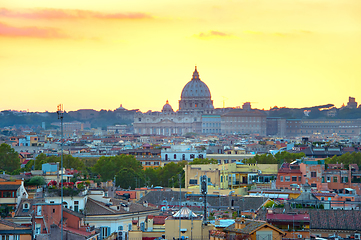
{"x": 175, "y": 156}
{"x": 166, "y": 157}
{"x": 183, "y": 157}
{"x": 26, "y": 206}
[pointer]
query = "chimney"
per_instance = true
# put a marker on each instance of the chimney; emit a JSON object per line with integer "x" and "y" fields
{"x": 240, "y": 223}
{"x": 135, "y": 225}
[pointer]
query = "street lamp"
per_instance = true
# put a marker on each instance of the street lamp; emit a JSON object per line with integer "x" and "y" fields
{"x": 60, "y": 113}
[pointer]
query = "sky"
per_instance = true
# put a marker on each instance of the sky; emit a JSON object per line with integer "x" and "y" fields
{"x": 140, "y": 53}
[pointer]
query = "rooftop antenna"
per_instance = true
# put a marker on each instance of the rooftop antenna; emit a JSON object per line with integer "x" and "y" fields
{"x": 224, "y": 101}
{"x": 180, "y": 203}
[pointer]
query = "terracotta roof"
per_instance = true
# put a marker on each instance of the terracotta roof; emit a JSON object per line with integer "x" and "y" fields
{"x": 77, "y": 214}
{"x": 335, "y": 219}
{"x": 13, "y": 225}
{"x": 288, "y": 217}
{"x": 21, "y": 212}
{"x": 159, "y": 220}
{"x": 250, "y": 227}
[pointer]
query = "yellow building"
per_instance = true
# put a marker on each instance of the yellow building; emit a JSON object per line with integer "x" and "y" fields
{"x": 184, "y": 224}
{"x": 230, "y": 176}
{"x": 248, "y": 229}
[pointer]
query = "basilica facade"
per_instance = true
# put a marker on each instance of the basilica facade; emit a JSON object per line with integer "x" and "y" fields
{"x": 195, "y": 101}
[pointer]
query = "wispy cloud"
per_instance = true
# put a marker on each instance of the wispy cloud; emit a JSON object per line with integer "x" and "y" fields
{"x": 211, "y": 34}
{"x": 51, "y": 13}
{"x": 33, "y": 32}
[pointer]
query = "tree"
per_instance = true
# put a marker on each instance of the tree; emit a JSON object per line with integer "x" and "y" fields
{"x": 35, "y": 181}
{"x": 127, "y": 177}
{"x": 9, "y": 158}
{"x": 68, "y": 162}
{"x": 108, "y": 167}
{"x": 203, "y": 161}
{"x": 278, "y": 158}
{"x": 5, "y": 210}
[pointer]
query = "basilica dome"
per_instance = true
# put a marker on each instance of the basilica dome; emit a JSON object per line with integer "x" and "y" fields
{"x": 167, "y": 108}
{"x": 195, "y": 88}
{"x": 196, "y": 96}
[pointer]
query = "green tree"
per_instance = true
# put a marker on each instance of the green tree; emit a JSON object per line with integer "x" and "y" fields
{"x": 9, "y": 158}
{"x": 5, "y": 210}
{"x": 68, "y": 162}
{"x": 203, "y": 161}
{"x": 127, "y": 177}
{"x": 35, "y": 181}
{"x": 151, "y": 176}
{"x": 108, "y": 167}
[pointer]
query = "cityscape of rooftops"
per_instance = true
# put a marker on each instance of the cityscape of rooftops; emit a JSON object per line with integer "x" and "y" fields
{"x": 180, "y": 120}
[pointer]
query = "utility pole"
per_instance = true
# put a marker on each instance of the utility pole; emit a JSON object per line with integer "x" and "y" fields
{"x": 60, "y": 113}
{"x": 204, "y": 190}
{"x": 180, "y": 205}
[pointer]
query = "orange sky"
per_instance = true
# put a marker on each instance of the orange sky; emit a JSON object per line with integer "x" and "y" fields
{"x": 139, "y": 53}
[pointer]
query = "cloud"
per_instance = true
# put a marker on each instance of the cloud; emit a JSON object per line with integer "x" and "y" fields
{"x": 33, "y": 32}
{"x": 51, "y": 14}
{"x": 211, "y": 34}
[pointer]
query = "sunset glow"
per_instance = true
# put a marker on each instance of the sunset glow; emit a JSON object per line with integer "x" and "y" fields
{"x": 100, "y": 54}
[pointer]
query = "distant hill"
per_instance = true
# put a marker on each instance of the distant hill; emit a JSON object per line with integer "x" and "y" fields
{"x": 101, "y": 119}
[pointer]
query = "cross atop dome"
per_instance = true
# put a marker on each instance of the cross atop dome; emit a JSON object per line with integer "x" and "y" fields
{"x": 195, "y": 74}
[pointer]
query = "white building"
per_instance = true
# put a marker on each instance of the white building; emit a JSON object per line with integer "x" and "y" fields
{"x": 182, "y": 152}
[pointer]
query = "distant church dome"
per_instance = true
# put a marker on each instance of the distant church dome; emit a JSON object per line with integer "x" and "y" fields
{"x": 196, "y": 88}
{"x": 167, "y": 108}
{"x": 196, "y": 96}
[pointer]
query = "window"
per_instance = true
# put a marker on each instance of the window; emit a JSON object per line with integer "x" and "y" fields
{"x": 6, "y": 194}
{"x": 193, "y": 181}
{"x": 334, "y": 179}
{"x": 313, "y": 174}
{"x": 104, "y": 232}
{"x": 120, "y": 228}
{"x": 281, "y": 178}
{"x": 76, "y": 206}
{"x": 191, "y": 156}
{"x": 53, "y": 210}
{"x": 323, "y": 179}
{"x": 314, "y": 185}
{"x": 183, "y": 157}
{"x": 299, "y": 179}
{"x": 287, "y": 179}
{"x": 294, "y": 179}
{"x": 328, "y": 179}
{"x": 175, "y": 156}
